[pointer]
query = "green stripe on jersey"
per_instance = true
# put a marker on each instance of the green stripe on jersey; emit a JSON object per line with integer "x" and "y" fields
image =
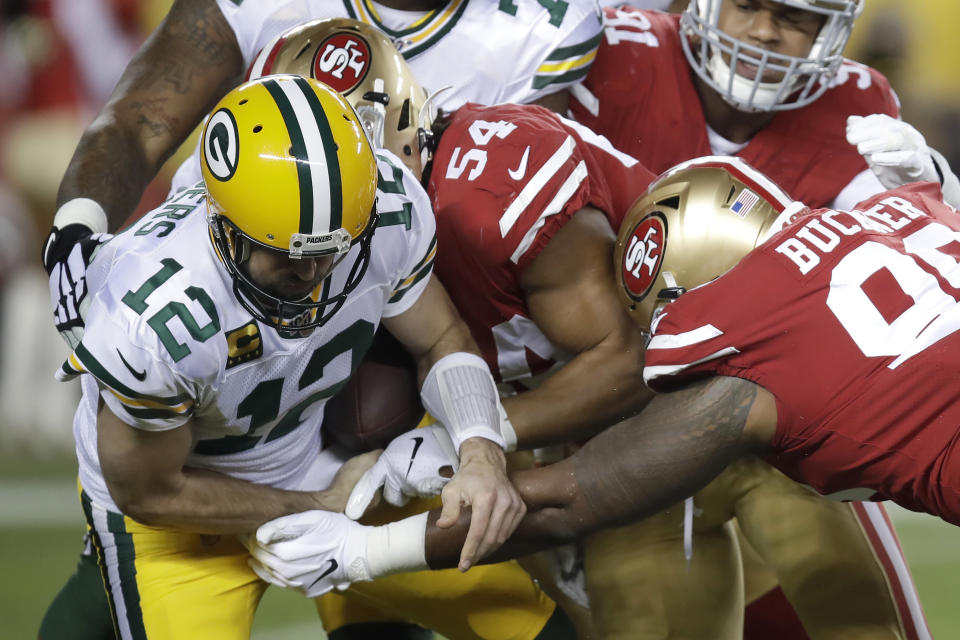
{"x": 539, "y": 82}
{"x": 435, "y": 38}
{"x": 425, "y": 271}
{"x": 574, "y": 50}
{"x": 100, "y": 372}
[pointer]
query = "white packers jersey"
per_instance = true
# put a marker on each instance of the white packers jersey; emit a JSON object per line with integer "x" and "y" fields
{"x": 488, "y": 51}
{"x": 168, "y": 342}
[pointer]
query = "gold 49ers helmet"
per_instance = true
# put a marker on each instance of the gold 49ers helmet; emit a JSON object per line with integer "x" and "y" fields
{"x": 362, "y": 64}
{"x": 695, "y": 222}
{"x": 287, "y": 167}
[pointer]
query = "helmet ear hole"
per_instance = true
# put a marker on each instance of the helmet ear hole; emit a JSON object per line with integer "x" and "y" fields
{"x": 257, "y": 129}
{"x": 670, "y": 203}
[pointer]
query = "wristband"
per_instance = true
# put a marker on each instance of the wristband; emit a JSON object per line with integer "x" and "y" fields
{"x": 460, "y": 393}
{"x": 83, "y": 211}
{"x": 398, "y": 546}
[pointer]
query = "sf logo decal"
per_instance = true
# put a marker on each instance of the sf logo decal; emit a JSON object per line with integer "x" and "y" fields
{"x": 221, "y": 145}
{"x": 643, "y": 255}
{"x": 342, "y": 61}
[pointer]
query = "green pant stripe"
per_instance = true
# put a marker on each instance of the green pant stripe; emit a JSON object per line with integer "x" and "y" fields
{"x": 126, "y": 570}
{"x": 101, "y": 562}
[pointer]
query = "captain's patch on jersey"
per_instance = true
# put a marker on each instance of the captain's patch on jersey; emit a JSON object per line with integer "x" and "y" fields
{"x": 641, "y": 261}
{"x": 244, "y": 344}
{"x": 342, "y": 61}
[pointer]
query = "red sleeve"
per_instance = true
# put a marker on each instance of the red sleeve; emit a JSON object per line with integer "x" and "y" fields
{"x": 506, "y": 178}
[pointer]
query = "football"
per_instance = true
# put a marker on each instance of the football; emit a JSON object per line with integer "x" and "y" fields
{"x": 379, "y": 402}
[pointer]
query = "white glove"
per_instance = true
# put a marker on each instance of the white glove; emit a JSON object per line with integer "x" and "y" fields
{"x": 410, "y": 466}
{"x": 895, "y": 151}
{"x": 316, "y": 551}
{"x": 312, "y": 552}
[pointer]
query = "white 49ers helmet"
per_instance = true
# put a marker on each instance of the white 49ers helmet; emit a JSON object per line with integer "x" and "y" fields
{"x": 714, "y": 56}
{"x": 695, "y": 222}
{"x": 363, "y": 65}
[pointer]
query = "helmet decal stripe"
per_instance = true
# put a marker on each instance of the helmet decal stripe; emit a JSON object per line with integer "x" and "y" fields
{"x": 298, "y": 150}
{"x": 332, "y": 162}
{"x": 262, "y": 65}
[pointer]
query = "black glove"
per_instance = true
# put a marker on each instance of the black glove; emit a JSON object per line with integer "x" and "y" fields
{"x": 66, "y": 255}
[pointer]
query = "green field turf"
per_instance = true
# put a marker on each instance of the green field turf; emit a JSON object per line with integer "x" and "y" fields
{"x": 40, "y": 531}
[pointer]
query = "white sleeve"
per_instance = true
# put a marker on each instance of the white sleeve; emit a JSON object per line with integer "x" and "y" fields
{"x": 255, "y": 21}
{"x": 568, "y": 62}
{"x": 411, "y": 211}
{"x": 864, "y": 185}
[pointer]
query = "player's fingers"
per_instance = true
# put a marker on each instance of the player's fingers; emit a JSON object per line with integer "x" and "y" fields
{"x": 513, "y": 510}
{"x": 365, "y": 490}
{"x": 906, "y": 159}
{"x": 393, "y": 495}
{"x": 451, "y": 499}
{"x": 276, "y": 531}
{"x": 499, "y": 514}
{"x": 266, "y": 575}
{"x": 480, "y": 511}
{"x": 518, "y": 515}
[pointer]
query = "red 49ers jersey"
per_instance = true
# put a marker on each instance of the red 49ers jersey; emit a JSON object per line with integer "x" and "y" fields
{"x": 850, "y": 319}
{"x": 504, "y": 180}
{"x": 647, "y": 106}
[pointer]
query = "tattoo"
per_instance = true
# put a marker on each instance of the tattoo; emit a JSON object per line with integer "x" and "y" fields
{"x": 193, "y": 38}
{"x": 152, "y": 118}
{"x": 666, "y": 453}
{"x": 186, "y": 65}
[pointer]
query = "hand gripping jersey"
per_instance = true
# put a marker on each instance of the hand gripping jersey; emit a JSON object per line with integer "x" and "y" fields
{"x": 488, "y": 51}
{"x": 167, "y": 340}
{"x": 504, "y": 180}
{"x": 850, "y": 319}
{"x": 641, "y": 96}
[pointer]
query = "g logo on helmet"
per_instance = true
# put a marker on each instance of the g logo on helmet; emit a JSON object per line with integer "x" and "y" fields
{"x": 342, "y": 61}
{"x": 643, "y": 256}
{"x": 221, "y": 145}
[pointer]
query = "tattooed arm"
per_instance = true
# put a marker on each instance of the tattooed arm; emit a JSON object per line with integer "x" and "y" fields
{"x": 667, "y": 452}
{"x": 183, "y": 68}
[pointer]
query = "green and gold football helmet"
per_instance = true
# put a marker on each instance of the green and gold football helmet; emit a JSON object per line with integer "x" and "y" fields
{"x": 363, "y": 65}
{"x": 287, "y": 167}
{"x": 695, "y": 222}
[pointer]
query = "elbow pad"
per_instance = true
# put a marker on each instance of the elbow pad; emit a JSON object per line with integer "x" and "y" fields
{"x": 460, "y": 393}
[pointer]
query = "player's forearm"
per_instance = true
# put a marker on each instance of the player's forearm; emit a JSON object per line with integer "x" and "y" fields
{"x": 208, "y": 502}
{"x": 182, "y": 69}
{"x": 109, "y": 168}
{"x": 596, "y": 389}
